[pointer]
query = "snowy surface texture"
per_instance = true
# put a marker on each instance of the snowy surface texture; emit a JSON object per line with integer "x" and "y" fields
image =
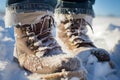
{"x": 106, "y": 35}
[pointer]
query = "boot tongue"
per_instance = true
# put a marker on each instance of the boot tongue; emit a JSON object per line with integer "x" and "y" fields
{"x": 42, "y": 29}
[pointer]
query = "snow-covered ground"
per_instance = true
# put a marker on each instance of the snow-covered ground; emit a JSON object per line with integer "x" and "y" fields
{"x": 106, "y": 35}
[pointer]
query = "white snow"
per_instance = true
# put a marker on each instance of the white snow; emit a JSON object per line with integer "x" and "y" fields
{"x": 1, "y": 29}
{"x": 106, "y": 32}
{"x": 3, "y": 65}
{"x": 106, "y": 35}
{"x": 7, "y": 39}
{"x": 74, "y": 78}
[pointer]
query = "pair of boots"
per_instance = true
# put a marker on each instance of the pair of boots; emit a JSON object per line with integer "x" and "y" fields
{"x": 38, "y": 51}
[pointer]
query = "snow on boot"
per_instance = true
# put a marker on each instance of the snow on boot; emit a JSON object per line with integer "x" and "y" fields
{"x": 38, "y": 51}
{"x": 72, "y": 34}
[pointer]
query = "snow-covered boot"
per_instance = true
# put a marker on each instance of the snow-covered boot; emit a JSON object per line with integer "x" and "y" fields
{"x": 38, "y": 51}
{"x": 72, "y": 34}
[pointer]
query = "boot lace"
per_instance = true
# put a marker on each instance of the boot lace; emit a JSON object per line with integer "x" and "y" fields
{"x": 76, "y": 31}
{"x": 40, "y": 39}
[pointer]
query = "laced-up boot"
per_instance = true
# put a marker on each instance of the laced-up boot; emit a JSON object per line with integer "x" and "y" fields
{"x": 38, "y": 51}
{"x": 71, "y": 33}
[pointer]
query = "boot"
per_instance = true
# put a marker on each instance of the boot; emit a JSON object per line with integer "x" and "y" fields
{"x": 38, "y": 51}
{"x": 71, "y": 33}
